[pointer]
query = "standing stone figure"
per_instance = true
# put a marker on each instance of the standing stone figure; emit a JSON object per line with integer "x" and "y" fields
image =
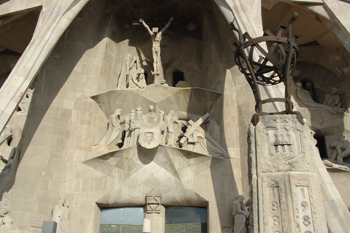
{"x": 170, "y": 130}
{"x": 60, "y": 216}
{"x": 135, "y": 126}
{"x": 128, "y": 128}
{"x": 156, "y": 38}
{"x": 124, "y": 73}
{"x": 114, "y": 132}
{"x": 240, "y": 214}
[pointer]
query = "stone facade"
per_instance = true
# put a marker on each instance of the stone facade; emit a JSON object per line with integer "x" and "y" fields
{"x": 79, "y": 78}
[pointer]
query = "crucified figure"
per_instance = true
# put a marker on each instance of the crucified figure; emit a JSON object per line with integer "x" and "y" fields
{"x": 156, "y": 38}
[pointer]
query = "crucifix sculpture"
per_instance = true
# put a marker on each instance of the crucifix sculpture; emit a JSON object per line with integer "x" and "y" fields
{"x": 156, "y": 38}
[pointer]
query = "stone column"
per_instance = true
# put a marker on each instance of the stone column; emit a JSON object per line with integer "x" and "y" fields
{"x": 155, "y": 215}
{"x": 285, "y": 189}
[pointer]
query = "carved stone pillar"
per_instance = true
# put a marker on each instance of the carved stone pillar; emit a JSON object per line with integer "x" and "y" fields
{"x": 155, "y": 214}
{"x": 285, "y": 190}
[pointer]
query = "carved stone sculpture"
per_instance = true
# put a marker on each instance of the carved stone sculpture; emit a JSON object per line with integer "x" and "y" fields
{"x": 6, "y": 222}
{"x": 113, "y": 135}
{"x": 333, "y": 99}
{"x": 138, "y": 79}
{"x": 150, "y": 136}
{"x": 131, "y": 74}
{"x": 136, "y": 124}
{"x": 240, "y": 215}
{"x": 342, "y": 150}
{"x": 305, "y": 98}
{"x": 168, "y": 129}
{"x": 127, "y": 128}
{"x": 156, "y": 38}
{"x": 60, "y": 216}
{"x": 9, "y": 155}
{"x": 23, "y": 106}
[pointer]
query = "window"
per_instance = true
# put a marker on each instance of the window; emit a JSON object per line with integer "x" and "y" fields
{"x": 122, "y": 220}
{"x": 185, "y": 219}
{"x": 178, "y": 76}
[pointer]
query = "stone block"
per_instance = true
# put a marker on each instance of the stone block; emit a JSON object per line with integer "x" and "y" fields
{"x": 49, "y": 227}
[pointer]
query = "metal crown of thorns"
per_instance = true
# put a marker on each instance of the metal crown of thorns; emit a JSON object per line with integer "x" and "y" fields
{"x": 272, "y": 67}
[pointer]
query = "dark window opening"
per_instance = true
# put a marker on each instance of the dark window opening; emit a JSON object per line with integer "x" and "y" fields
{"x": 185, "y": 219}
{"x": 321, "y": 145}
{"x": 146, "y": 77}
{"x": 178, "y": 76}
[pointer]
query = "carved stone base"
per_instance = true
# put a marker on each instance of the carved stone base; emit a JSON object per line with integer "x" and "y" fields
{"x": 285, "y": 189}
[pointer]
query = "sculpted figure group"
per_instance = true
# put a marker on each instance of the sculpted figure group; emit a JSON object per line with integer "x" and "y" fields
{"x": 155, "y": 127}
{"x": 306, "y": 96}
{"x": 132, "y": 75}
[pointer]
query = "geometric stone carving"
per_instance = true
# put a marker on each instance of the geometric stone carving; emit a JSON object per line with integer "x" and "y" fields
{"x": 60, "y": 215}
{"x": 153, "y": 204}
{"x": 285, "y": 187}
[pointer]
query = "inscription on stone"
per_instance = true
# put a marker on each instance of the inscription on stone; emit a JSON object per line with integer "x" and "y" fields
{"x": 275, "y": 209}
{"x": 303, "y": 215}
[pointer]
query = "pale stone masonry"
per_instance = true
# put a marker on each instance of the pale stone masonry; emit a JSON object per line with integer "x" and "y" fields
{"x": 66, "y": 150}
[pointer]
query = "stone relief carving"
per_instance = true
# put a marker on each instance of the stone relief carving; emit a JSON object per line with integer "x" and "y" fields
{"x": 333, "y": 99}
{"x": 156, "y": 38}
{"x": 154, "y": 128}
{"x": 60, "y": 216}
{"x": 113, "y": 135}
{"x": 131, "y": 74}
{"x": 6, "y": 222}
{"x": 285, "y": 142}
{"x": 332, "y": 102}
{"x": 23, "y": 106}
{"x": 240, "y": 215}
{"x": 9, "y": 155}
{"x": 342, "y": 150}
{"x": 150, "y": 136}
{"x": 303, "y": 212}
{"x": 153, "y": 204}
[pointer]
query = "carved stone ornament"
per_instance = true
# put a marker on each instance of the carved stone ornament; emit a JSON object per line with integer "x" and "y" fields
{"x": 60, "y": 216}
{"x": 284, "y": 142}
{"x": 153, "y": 204}
{"x": 150, "y": 136}
{"x": 240, "y": 215}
